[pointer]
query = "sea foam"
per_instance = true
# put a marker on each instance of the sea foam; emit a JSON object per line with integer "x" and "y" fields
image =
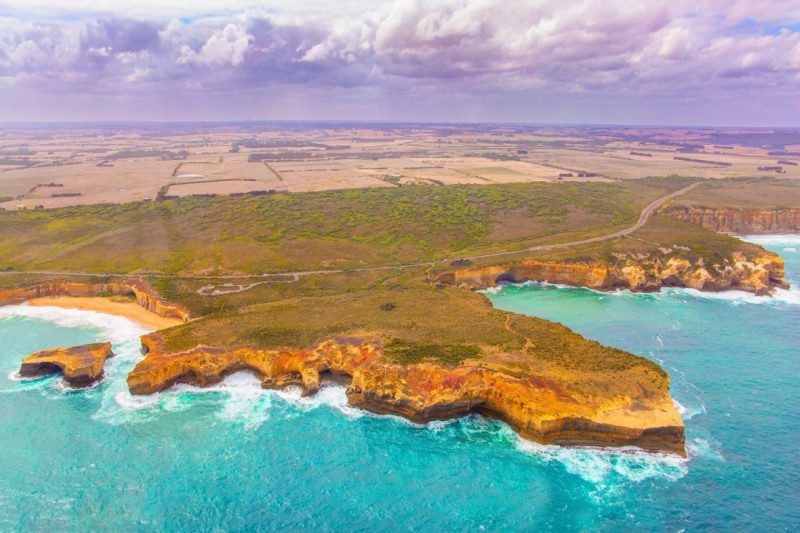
{"x": 121, "y": 332}
{"x": 602, "y": 466}
{"x": 116, "y": 329}
{"x": 115, "y": 400}
{"x": 788, "y": 239}
{"x": 780, "y": 297}
{"x": 239, "y": 398}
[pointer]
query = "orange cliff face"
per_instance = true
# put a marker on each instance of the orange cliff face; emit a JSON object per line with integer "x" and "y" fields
{"x": 570, "y": 408}
{"x": 81, "y": 365}
{"x": 741, "y": 220}
{"x": 145, "y": 296}
{"x": 638, "y": 273}
{"x": 592, "y": 275}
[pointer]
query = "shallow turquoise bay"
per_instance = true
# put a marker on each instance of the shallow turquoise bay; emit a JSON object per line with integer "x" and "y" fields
{"x": 236, "y": 457}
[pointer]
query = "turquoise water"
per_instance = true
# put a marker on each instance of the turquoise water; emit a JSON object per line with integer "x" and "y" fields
{"x": 236, "y": 457}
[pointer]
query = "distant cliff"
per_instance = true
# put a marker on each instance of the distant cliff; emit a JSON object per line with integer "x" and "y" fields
{"x": 636, "y": 272}
{"x": 145, "y": 296}
{"x": 741, "y": 220}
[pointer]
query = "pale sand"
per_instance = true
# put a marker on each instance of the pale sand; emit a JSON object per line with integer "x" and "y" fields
{"x": 129, "y": 310}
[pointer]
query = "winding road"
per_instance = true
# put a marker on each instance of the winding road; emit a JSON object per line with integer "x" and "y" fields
{"x": 229, "y": 288}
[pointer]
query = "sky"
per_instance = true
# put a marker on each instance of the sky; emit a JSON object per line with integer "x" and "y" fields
{"x": 657, "y": 62}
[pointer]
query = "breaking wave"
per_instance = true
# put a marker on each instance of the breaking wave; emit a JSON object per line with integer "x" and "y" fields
{"x": 772, "y": 240}
{"x": 602, "y": 466}
{"x": 239, "y": 399}
{"x": 121, "y": 332}
{"x": 781, "y": 296}
{"x": 113, "y": 328}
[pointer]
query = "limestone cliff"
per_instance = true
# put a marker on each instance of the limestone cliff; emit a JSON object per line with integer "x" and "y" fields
{"x": 741, "y": 220}
{"x": 145, "y": 296}
{"x": 81, "y": 365}
{"x": 636, "y": 272}
{"x": 631, "y": 407}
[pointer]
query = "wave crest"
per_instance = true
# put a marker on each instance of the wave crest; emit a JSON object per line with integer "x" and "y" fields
{"x": 785, "y": 239}
{"x": 114, "y": 328}
{"x": 602, "y": 465}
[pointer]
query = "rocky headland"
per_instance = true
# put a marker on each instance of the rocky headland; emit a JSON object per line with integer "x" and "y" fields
{"x": 631, "y": 406}
{"x": 638, "y": 272}
{"x": 81, "y": 365}
{"x": 554, "y": 387}
{"x": 741, "y": 220}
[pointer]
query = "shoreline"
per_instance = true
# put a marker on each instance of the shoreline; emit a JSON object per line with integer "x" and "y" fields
{"x": 130, "y": 310}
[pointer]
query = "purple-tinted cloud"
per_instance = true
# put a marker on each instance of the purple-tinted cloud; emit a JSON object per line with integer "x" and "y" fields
{"x": 475, "y": 49}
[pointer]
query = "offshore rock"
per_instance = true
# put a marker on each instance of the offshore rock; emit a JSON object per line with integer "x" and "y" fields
{"x": 617, "y": 408}
{"x": 81, "y": 365}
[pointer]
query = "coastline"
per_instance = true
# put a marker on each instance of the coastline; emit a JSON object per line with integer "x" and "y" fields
{"x": 371, "y": 379}
{"x": 130, "y": 310}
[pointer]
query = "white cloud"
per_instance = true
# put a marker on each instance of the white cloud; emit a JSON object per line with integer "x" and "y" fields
{"x": 225, "y": 47}
{"x": 138, "y": 74}
{"x": 465, "y": 45}
{"x": 675, "y": 43}
{"x": 103, "y": 51}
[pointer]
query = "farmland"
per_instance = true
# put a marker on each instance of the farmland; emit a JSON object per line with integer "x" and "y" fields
{"x": 104, "y": 163}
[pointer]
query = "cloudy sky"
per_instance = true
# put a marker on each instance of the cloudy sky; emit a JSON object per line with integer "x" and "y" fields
{"x": 693, "y": 62}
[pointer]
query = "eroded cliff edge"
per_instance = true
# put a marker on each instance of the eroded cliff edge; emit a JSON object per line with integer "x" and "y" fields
{"x": 741, "y": 220}
{"x": 137, "y": 288}
{"x": 551, "y": 404}
{"x": 638, "y": 272}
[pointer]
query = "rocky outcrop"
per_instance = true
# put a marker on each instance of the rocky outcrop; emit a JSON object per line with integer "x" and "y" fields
{"x": 81, "y": 365}
{"x": 137, "y": 288}
{"x": 604, "y": 409}
{"x": 580, "y": 274}
{"x": 741, "y": 220}
{"x": 636, "y": 272}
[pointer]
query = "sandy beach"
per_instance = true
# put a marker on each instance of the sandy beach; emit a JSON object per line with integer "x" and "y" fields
{"x": 127, "y": 309}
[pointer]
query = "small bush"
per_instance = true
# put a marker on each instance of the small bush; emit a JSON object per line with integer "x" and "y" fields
{"x": 408, "y": 353}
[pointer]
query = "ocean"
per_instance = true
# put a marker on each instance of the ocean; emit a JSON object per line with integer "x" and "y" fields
{"x": 236, "y": 457}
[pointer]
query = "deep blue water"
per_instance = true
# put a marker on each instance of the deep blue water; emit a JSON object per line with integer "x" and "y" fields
{"x": 236, "y": 457}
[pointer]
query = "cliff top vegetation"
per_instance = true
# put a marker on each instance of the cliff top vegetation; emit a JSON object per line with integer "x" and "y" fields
{"x": 344, "y": 229}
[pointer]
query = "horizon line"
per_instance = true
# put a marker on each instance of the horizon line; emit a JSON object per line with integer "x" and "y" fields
{"x": 376, "y": 122}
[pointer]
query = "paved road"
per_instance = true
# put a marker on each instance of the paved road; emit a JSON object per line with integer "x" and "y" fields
{"x": 228, "y": 288}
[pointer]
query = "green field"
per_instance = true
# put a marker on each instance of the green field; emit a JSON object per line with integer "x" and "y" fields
{"x": 442, "y": 325}
{"x": 356, "y": 228}
{"x": 767, "y": 193}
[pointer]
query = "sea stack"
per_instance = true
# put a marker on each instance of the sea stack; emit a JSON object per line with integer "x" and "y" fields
{"x": 81, "y": 365}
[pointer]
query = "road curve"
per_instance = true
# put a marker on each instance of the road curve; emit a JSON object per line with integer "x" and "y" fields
{"x": 643, "y": 218}
{"x": 208, "y": 290}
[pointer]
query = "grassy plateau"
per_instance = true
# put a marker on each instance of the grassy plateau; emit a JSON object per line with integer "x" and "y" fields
{"x": 179, "y": 244}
